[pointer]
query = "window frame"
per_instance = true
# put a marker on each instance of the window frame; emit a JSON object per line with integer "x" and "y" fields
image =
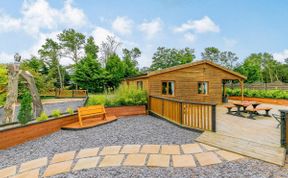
{"x": 167, "y": 87}
{"x": 141, "y": 85}
{"x": 207, "y": 89}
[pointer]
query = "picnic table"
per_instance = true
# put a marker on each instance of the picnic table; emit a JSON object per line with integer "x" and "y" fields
{"x": 239, "y": 105}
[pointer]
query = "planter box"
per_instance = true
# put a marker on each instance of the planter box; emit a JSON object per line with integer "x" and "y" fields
{"x": 18, "y": 134}
{"x": 262, "y": 100}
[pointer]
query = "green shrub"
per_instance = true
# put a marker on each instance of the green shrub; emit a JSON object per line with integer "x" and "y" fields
{"x": 25, "y": 112}
{"x": 123, "y": 96}
{"x": 2, "y": 98}
{"x": 70, "y": 110}
{"x": 56, "y": 113}
{"x": 276, "y": 94}
{"x": 43, "y": 116}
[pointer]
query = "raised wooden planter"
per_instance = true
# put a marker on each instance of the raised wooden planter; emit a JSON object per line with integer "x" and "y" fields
{"x": 262, "y": 100}
{"x": 18, "y": 134}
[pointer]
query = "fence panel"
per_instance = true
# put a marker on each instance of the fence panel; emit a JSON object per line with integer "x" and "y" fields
{"x": 201, "y": 116}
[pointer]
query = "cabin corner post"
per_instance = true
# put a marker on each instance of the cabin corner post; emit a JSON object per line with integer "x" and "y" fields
{"x": 242, "y": 89}
{"x": 284, "y": 129}
{"x": 213, "y": 114}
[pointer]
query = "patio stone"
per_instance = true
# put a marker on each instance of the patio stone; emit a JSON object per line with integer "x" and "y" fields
{"x": 135, "y": 160}
{"x": 28, "y": 174}
{"x": 60, "y": 157}
{"x": 191, "y": 148}
{"x": 110, "y": 150}
{"x": 130, "y": 149}
{"x": 37, "y": 163}
{"x": 170, "y": 149}
{"x": 209, "y": 148}
{"x": 88, "y": 152}
{"x": 86, "y": 163}
{"x": 183, "y": 161}
{"x": 112, "y": 160}
{"x": 207, "y": 158}
{"x": 150, "y": 149}
{"x": 8, "y": 171}
{"x": 229, "y": 156}
{"x": 58, "y": 168}
{"x": 157, "y": 160}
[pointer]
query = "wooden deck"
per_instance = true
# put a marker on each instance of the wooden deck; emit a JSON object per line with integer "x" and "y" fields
{"x": 258, "y": 138}
{"x": 89, "y": 123}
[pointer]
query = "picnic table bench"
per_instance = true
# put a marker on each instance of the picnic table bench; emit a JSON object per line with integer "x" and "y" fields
{"x": 254, "y": 111}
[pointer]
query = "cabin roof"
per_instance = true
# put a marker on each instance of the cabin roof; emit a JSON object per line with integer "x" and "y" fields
{"x": 174, "y": 68}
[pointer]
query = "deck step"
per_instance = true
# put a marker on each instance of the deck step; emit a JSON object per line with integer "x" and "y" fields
{"x": 275, "y": 155}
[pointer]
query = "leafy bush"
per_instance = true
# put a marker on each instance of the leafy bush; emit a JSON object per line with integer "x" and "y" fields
{"x": 56, "y": 113}
{"x": 123, "y": 96}
{"x": 25, "y": 113}
{"x": 276, "y": 94}
{"x": 70, "y": 110}
{"x": 42, "y": 117}
{"x": 2, "y": 98}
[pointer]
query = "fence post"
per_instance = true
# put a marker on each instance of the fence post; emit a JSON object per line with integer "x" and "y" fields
{"x": 283, "y": 115}
{"x": 162, "y": 107}
{"x": 213, "y": 114}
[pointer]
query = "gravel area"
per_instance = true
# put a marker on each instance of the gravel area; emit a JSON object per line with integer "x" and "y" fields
{"x": 49, "y": 107}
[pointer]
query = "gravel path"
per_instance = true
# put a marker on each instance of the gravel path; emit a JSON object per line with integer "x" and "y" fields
{"x": 49, "y": 107}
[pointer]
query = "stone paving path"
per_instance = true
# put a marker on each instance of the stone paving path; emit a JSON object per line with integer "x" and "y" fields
{"x": 177, "y": 156}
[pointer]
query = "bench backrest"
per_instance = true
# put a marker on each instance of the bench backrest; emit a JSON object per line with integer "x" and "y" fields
{"x": 90, "y": 110}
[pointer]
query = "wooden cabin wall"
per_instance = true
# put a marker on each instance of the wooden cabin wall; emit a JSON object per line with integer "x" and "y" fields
{"x": 134, "y": 82}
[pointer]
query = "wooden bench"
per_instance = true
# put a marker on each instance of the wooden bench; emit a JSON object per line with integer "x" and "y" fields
{"x": 90, "y": 116}
{"x": 253, "y": 111}
{"x": 229, "y": 107}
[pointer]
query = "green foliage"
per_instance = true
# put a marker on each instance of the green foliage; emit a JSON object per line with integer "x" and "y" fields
{"x": 70, "y": 110}
{"x": 91, "y": 49}
{"x": 115, "y": 68}
{"x": 212, "y": 54}
{"x": 56, "y": 113}
{"x": 2, "y": 98}
{"x": 25, "y": 112}
{"x": 3, "y": 75}
{"x": 130, "y": 62}
{"x": 276, "y": 94}
{"x": 168, "y": 57}
{"x": 43, "y": 116}
{"x": 123, "y": 96}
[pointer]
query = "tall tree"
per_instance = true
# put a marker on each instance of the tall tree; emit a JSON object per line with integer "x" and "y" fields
{"x": 228, "y": 59}
{"x": 91, "y": 49}
{"x": 72, "y": 43}
{"x": 115, "y": 67}
{"x": 168, "y": 57}
{"x": 212, "y": 54}
{"x": 130, "y": 61}
{"x": 108, "y": 48}
{"x": 50, "y": 53}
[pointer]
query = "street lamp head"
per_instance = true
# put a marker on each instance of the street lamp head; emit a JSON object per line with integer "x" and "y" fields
{"x": 17, "y": 58}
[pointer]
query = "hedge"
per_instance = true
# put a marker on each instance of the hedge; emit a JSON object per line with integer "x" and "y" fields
{"x": 276, "y": 94}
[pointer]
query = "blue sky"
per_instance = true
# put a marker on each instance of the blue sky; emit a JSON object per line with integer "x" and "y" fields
{"x": 242, "y": 26}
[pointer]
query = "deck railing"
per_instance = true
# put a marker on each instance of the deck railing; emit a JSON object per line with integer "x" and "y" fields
{"x": 196, "y": 115}
{"x": 284, "y": 128}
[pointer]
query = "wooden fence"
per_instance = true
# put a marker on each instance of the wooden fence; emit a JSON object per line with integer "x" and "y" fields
{"x": 66, "y": 93}
{"x": 278, "y": 85}
{"x": 196, "y": 115}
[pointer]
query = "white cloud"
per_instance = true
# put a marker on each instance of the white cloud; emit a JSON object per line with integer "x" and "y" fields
{"x": 190, "y": 37}
{"x": 281, "y": 56}
{"x": 230, "y": 43}
{"x": 151, "y": 28}
{"x": 200, "y": 26}
{"x": 8, "y": 23}
{"x": 122, "y": 25}
{"x": 100, "y": 34}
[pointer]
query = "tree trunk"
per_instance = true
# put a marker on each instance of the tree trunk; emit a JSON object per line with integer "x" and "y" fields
{"x": 60, "y": 77}
{"x": 37, "y": 105}
{"x": 11, "y": 99}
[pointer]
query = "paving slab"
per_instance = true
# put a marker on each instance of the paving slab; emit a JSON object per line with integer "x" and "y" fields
{"x": 88, "y": 152}
{"x": 130, "y": 149}
{"x": 28, "y": 174}
{"x": 191, "y": 148}
{"x": 111, "y": 161}
{"x": 8, "y": 171}
{"x": 135, "y": 160}
{"x": 208, "y": 148}
{"x": 170, "y": 149}
{"x": 36, "y": 163}
{"x": 207, "y": 158}
{"x": 110, "y": 150}
{"x": 183, "y": 161}
{"x": 150, "y": 149}
{"x": 229, "y": 156}
{"x": 86, "y": 163}
{"x": 58, "y": 168}
{"x": 60, "y": 157}
{"x": 157, "y": 160}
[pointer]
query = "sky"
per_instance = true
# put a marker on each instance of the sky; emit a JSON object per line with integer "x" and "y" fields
{"x": 243, "y": 27}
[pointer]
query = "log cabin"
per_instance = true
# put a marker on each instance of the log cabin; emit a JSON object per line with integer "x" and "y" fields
{"x": 200, "y": 81}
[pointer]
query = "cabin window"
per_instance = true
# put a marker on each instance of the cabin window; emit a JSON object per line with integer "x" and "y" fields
{"x": 140, "y": 85}
{"x": 203, "y": 88}
{"x": 168, "y": 88}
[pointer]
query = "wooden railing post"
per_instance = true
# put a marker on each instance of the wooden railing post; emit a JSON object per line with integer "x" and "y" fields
{"x": 181, "y": 113}
{"x": 213, "y": 115}
{"x": 72, "y": 93}
{"x": 284, "y": 129}
{"x": 162, "y": 107}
